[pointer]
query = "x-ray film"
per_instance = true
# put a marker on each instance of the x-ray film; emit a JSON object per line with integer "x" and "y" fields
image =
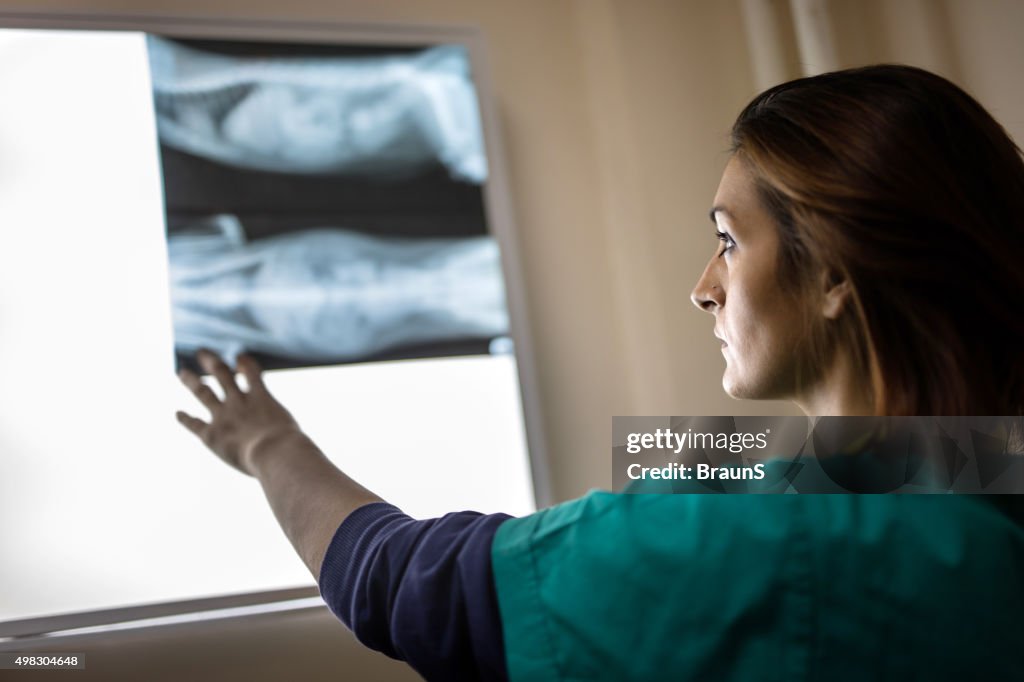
{"x": 319, "y": 114}
{"x": 323, "y": 205}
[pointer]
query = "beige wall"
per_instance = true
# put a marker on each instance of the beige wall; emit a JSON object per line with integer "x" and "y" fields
{"x": 307, "y": 646}
{"x": 975, "y": 43}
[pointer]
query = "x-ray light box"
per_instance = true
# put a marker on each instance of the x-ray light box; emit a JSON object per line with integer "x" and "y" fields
{"x": 105, "y": 501}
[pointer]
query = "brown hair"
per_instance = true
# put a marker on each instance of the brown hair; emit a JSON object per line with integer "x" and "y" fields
{"x": 900, "y": 182}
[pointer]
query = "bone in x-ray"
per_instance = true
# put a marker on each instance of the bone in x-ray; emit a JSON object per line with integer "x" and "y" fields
{"x": 320, "y": 114}
{"x": 329, "y": 294}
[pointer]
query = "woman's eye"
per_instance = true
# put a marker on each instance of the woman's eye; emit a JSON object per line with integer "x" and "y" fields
{"x": 727, "y": 240}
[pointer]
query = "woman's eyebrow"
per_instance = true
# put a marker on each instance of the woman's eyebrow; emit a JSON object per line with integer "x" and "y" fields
{"x": 717, "y": 209}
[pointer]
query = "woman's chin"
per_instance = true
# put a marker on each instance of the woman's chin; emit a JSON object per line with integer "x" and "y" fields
{"x": 729, "y": 385}
{"x": 737, "y": 389}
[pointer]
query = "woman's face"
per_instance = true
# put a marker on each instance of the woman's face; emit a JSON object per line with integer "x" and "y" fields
{"x": 759, "y": 325}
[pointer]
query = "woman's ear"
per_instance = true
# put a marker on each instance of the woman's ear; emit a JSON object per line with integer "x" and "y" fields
{"x": 836, "y": 290}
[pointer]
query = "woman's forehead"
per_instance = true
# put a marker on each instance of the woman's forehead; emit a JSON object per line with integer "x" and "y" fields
{"x": 736, "y": 196}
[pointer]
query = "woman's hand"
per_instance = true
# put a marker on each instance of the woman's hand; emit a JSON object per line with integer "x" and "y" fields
{"x": 242, "y": 421}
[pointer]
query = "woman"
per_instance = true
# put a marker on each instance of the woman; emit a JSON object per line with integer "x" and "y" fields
{"x": 872, "y": 229}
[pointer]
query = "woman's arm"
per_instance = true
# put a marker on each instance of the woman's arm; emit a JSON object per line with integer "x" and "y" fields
{"x": 421, "y": 591}
{"x": 252, "y": 432}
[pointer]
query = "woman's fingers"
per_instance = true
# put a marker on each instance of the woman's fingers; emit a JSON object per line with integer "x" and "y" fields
{"x": 240, "y": 420}
{"x": 252, "y": 372}
{"x": 225, "y": 377}
{"x": 200, "y": 390}
{"x": 194, "y": 425}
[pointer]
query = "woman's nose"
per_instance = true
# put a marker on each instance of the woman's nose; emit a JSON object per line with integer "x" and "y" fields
{"x": 708, "y": 294}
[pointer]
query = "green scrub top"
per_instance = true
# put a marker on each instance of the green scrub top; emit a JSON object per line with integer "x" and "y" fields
{"x": 762, "y": 587}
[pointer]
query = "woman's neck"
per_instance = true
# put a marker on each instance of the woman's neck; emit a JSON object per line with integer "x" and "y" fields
{"x": 841, "y": 392}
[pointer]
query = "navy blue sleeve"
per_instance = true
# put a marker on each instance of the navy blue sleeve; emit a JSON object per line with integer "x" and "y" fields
{"x": 419, "y": 591}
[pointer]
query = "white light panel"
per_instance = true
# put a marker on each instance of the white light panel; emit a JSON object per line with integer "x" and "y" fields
{"x": 105, "y": 500}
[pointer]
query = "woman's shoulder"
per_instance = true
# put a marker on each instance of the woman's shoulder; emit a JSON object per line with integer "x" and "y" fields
{"x": 732, "y": 523}
{"x": 833, "y": 513}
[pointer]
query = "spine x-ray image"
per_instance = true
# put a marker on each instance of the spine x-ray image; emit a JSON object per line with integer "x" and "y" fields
{"x": 314, "y": 114}
{"x": 324, "y": 203}
{"x": 329, "y": 294}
